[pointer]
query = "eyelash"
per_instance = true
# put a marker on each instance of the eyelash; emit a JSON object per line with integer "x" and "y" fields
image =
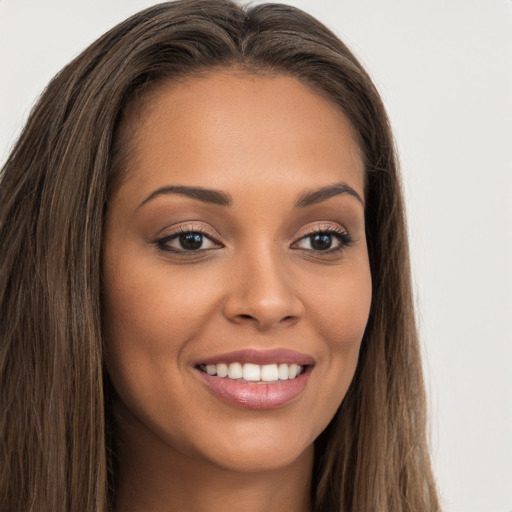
{"x": 161, "y": 243}
{"x": 344, "y": 238}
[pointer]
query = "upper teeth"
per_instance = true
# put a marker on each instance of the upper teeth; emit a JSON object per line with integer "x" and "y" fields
{"x": 253, "y": 372}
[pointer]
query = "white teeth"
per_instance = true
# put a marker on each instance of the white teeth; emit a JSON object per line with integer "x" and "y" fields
{"x": 222, "y": 370}
{"x": 251, "y": 372}
{"x": 269, "y": 372}
{"x": 235, "y": 371}
{"x": 254, "y": 373}
{"x": 283, "y": 372}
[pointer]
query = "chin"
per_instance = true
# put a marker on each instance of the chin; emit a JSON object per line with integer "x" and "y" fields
{"x": 260, "y": 454}
{"x": 255, "y": 441}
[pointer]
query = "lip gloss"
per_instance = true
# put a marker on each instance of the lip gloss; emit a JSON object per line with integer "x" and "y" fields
{"x": 256, "y": 396}
{"x": 260, "y": 394}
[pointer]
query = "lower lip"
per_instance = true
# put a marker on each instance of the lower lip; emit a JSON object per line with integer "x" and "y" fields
{"x": 256, "y": 396}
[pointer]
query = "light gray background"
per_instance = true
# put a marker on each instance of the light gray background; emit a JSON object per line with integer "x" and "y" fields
{"x": 444, "y": 68}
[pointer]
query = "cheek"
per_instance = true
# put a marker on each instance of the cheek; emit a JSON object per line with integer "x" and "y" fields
{"x": 148, "y": 325}
{"x": 342, "y": 310}
{"x": 153, "y": 314}
{"x": 341, "y": 315}
{"x": 155, "y": 306}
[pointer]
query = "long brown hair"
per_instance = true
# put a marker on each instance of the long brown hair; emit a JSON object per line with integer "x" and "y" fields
{"x": 56, "y": 452}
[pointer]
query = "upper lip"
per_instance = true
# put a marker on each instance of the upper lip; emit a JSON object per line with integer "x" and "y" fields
{"x": 258, "y": 356}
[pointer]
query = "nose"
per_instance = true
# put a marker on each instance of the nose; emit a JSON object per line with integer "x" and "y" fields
{"x": 261, "y": 292}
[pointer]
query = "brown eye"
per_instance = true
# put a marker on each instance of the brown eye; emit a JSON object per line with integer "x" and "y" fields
{"x": 191, "y": 241}
{"x": 187, "y": 242}
{"x": 321, "y": 242}
{"x": 326, "y": 240}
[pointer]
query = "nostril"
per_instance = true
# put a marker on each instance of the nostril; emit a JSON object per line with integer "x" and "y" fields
{"x": 286, "y": 319}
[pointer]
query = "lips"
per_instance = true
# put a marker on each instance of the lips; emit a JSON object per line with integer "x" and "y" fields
{"x": 254, "y": 356}
{"x": 256, "y": 379}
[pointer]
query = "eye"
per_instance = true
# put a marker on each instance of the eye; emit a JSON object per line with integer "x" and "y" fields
{"x": 186, "y": 240}
{"x": 325, "y": 240}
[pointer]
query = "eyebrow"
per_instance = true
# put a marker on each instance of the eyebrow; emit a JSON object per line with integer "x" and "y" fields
{"x": 206, "y": 195}
{"x": 311, "y": 197}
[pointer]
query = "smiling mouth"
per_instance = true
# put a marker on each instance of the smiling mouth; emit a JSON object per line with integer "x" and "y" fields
{"x": 256, "y": 379}
{"x": 254, "y": 386}
{"x": 250, "y": 373}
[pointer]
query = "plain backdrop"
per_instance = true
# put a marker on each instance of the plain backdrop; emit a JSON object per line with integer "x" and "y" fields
{"x": 444, "y": 69}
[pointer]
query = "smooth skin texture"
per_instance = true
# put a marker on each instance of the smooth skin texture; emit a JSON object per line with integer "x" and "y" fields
{"x": 257, "y": 277}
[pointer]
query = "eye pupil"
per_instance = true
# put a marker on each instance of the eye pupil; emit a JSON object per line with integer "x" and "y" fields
{"x": 191, "y": 241}
{"x": 321, "y": 242}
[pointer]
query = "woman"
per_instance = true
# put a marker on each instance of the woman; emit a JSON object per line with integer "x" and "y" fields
{"x": 206, "y": 301}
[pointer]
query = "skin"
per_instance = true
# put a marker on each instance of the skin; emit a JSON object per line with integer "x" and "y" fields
{"x": 264, "y": 140}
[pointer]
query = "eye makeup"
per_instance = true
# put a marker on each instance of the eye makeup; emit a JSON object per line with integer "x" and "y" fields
{"x": 326, "y": 239}
{"x": 189, "y": 238}
{"x": 193, "y": 239}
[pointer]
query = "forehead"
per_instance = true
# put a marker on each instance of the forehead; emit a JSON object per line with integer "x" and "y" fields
{"x": 210, "y": 129}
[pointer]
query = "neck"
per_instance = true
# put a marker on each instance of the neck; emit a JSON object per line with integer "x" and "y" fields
{"x": 154, "y": 477}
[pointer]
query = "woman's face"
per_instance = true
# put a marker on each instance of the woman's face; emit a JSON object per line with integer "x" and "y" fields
{"x": 236, "y": 245}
